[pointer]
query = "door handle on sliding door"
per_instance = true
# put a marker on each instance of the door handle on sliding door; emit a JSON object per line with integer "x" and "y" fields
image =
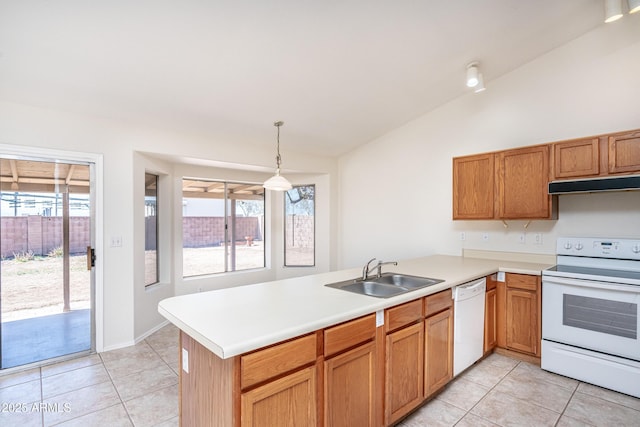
{"x": 91, "y": 257}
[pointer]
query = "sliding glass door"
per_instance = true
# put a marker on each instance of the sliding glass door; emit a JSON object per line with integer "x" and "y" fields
{"x": 46, "y": 274}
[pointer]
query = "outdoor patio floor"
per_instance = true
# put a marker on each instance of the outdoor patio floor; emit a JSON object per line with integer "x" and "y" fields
{"x": 39, "y": 338}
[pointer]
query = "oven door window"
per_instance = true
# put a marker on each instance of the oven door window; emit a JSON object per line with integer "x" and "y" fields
{"x": 601, "y": 315}
{"x": 592, "y": 315}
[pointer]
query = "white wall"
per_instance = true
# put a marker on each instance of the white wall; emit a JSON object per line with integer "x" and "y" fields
{"x": 130, "y": 310}
{"x": 396, "y": 192}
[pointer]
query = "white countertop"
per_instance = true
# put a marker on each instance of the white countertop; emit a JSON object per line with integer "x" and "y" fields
{"x": 236, "y": 320}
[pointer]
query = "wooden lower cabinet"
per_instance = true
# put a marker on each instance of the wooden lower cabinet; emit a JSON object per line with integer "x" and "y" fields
{"x": 438, "y": 351}
{"x": 404, "y": 371}
{"x": 519, "y": 314}
{"x": 350, "y": 388}
{"x": 288, "y": 401}
{"x": 490, "y": 321}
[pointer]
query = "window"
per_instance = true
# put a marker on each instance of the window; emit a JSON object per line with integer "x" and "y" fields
{"x": 150, "y": 229}
{"x": 299, "y": 226}
{"x": 222, "y": 227}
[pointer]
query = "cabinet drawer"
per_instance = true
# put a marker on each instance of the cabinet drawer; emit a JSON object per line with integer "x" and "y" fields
{"x": 522, "y": 281}
{"x": 349, "y": 334}
{"x": 401, "y": 315}
{"x": 272, "y": 361}
{"x": 437, "y": 302}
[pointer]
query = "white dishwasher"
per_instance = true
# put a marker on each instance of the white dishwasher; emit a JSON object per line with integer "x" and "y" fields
{"x": 468, "y": 324}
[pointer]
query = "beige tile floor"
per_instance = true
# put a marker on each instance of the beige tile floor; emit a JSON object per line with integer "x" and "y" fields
{"x": 138, "y": 386}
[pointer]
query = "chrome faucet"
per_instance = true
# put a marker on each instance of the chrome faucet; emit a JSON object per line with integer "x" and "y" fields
{"x": 380, "y": 264}
{"x": 365, "y": 269}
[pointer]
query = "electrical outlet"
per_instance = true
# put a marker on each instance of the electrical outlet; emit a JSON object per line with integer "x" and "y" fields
{"x": 522, "y": 238}
{"x": 116, "y": 241}
{"x": 537, "y": 238}
{"x": 463, "y": 235}
{"x": 485, "y": 237}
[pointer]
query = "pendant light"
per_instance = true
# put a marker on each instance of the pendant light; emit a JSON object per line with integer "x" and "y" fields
{"x": 277, "y": 182}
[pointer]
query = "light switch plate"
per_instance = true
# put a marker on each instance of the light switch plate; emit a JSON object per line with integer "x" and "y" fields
{"x": 185, "y": 360}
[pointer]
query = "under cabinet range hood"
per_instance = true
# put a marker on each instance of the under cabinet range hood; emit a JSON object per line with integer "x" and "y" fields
{"x": 593, "y": 185}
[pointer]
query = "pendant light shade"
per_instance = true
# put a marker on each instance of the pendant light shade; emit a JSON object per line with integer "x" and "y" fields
{"x": 277, "y": 182}
{"x": 634, "y": 6}
{"x": 612, "y": 10}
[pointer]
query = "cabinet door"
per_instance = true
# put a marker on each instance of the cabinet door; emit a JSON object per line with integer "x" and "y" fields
{"x": 438, "y": 367}
{"x": 404, "y": 372}
{"x": 349, "y": 388}
{"x": 573, "y": 159}
{"x": 473, "y": 187}
{"x": 288, "y": 401}
{"x": 624, "y": 153}
{"x": 490, "y": 325}
{"x": 523, "y": 184}
{"x": 522, "y": 320}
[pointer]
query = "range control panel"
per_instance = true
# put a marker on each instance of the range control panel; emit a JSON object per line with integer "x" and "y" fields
{"x": 598, "y": 247}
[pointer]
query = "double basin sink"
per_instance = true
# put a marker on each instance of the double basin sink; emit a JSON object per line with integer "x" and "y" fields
{"x": 386, "y": 285}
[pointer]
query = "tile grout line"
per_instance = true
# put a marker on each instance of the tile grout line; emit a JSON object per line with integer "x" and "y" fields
{"x": 117, "y": 392}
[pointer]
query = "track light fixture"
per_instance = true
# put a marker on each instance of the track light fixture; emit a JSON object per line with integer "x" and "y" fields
{"x": 472, "y": 75}
{"x": 612, "y": 10}
{"x": 277, "y": 182}
{"x": 480, "y": 86}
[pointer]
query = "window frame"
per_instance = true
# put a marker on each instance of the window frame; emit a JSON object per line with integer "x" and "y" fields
{"x": 157, "y": 228}
{"x": 285, "y": 230}
{"x": 229, "y": 245}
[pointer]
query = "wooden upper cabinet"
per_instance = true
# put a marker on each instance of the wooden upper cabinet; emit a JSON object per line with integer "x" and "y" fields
{"x": 624, "y": 152}
{"x": 575, "y": 159}
{"x": 473, "y": 187}
{"x": 522, "y": 183}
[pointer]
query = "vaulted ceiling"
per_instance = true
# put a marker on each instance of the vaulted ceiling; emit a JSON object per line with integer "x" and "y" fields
{"x": 339, "y": 73}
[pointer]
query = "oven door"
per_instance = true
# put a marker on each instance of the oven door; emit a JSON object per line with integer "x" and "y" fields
{"x": 593, "y": 315}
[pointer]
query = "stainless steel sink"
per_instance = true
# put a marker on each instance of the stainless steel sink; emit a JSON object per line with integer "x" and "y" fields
{"x": 406, "y": 281}
{"x": 385, "y": 286}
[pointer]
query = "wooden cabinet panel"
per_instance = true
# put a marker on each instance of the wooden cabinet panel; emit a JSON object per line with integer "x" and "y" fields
{"x": 438, "y": 365}
{"x": 573, "y": 159}
{"x": 624, "y": 153}
{"x": 403, "y": 315}
{"x": 501, "y": 314}
{"x": 522, "y": 184}
{"x": 490, "y": 326}
{"x": 523, "y": 281}
{"x": 203, "y": 401}
{"x": 522, "y": 320}
{"x": 288, "y": 401}
{"x": 435, "y": 303}
{"x": 404, "y": 372}
{"x": 279, "y": 359}
{"x": 350, "y": 388}
{"x": 473, "y": 187}
{"x": 349, "y": 334}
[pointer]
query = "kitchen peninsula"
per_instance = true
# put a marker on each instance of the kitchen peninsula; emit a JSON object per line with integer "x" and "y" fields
{"x": 242, "y": 346}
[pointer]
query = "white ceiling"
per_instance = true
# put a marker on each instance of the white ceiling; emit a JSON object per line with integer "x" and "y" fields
{"x": 339, "y": 73}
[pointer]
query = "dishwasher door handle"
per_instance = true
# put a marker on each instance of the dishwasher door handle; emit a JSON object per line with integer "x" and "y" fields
{"x": 472, "y": 286}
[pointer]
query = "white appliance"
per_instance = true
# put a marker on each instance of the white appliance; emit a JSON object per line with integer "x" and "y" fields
{"x": 468, "y": 324}
{"x": 591, "y": 313}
